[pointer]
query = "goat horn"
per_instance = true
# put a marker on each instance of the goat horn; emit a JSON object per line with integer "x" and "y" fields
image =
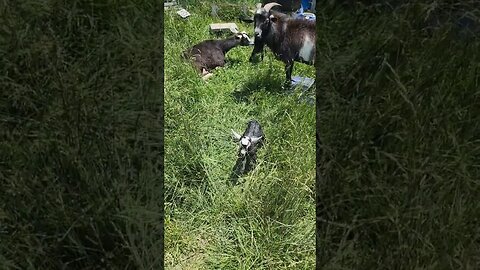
{"x": 268, "y": 6}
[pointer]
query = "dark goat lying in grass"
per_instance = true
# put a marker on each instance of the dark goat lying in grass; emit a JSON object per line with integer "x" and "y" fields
{"x": 209, "y": 54}
{"x": 252, "y": 139}
{"x": 289, "y": 39}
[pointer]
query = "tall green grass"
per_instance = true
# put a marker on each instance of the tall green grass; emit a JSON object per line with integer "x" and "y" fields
{"x": 267, "y": 220}
{"x": 399, "y": 126}
{"x": 80, "y": 129}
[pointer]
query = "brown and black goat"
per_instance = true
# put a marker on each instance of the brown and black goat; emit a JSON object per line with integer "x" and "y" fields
{"x": 209, "y": 54}
{"x": 291, "y": 40}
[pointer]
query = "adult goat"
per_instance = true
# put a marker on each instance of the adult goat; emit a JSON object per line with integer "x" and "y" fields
{"x": 291, "y": 40}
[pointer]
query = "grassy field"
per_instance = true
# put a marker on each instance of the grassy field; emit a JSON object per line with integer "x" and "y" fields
{"x": 80, "y": 135}
{"x": 267, "y": 220}
{"x": 399, "y": 124}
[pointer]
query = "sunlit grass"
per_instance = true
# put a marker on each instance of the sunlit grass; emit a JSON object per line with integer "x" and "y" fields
{"x": 267, "y": 221}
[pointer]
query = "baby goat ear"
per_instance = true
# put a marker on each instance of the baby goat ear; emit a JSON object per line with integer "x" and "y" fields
{"x": 236, "y": 135}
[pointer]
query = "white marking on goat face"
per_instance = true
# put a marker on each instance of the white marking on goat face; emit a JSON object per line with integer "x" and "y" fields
{"x": 306, "y": 52}
{"x": 245, "y": 141}
{"x": 258, "y": 31}
{"x": 244, "y": 36}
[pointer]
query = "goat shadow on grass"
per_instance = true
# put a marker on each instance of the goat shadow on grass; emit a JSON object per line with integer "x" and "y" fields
{"x": 267, "y": 81}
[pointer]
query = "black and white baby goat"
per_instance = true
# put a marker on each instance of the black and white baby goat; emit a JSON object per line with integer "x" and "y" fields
{"x": 289, "y": 39}
{"x": 251, "y": 140}
{"x": 209, "y": 54}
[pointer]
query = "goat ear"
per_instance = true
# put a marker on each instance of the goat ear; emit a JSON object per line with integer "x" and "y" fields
{"x": 256, "y": 139}
{"x": 236, "y": 135}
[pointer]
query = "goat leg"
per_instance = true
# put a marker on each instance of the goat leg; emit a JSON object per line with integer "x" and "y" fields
{"x": 255, "y": 51}
{"x": 252, "y": 56}
{"x": 258, "y": 48}
{"x": 204, "y": 71}
{"x": 206, "y": 74}
{"x": 288, "y": 74}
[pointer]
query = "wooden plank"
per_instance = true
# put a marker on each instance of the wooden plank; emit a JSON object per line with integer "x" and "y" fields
{"x": 183, "y": 13}
{"x": 217, "y": 27}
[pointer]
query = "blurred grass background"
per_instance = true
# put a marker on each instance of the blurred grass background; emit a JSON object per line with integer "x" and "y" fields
{"x": 398, "y": 118}
{"x": 80, "y": 134}
{"x": 267, "y": 221}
